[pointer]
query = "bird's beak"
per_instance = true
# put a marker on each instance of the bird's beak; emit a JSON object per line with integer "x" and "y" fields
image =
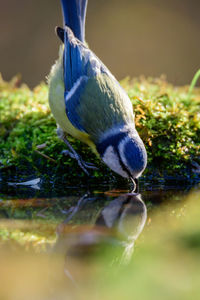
{"x": 135, "y": 185}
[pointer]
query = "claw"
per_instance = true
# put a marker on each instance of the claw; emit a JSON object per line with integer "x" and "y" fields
{"x": 81, "y": 163}
{"x": 67, "y": 152}
{"x": 73, "y": 154}
{"x": 89, "y": 165}
{"x": 196, "y": 168}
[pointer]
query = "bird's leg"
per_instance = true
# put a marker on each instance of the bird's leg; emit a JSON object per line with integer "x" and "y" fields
{"x": 196, "y": 168}
{"x": 73, "y": 154}
{"x": 76, "y": 208}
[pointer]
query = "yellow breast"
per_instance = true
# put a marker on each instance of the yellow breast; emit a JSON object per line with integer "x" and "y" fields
{"x": 57, "y": 103}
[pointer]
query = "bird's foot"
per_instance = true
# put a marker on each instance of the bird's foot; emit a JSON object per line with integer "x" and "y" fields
{"x": 196, "y": 167}
{"x": 82, "y": 164}
{"x": 73, "y": 154}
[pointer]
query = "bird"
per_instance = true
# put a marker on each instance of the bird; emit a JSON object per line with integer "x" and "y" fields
{"x": 89, "y": 104}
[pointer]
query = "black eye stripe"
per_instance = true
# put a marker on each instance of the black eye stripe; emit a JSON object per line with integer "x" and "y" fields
{"x": 124, "y": 168}
{"x": 114, "y": 141}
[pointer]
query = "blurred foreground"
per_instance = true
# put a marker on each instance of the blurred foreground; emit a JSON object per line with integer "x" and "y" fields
{"x": 103, "y": 245}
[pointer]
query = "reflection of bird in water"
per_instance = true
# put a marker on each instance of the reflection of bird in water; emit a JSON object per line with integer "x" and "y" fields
{"x": 127, "y": 214}
{"x": 115, "y": 229}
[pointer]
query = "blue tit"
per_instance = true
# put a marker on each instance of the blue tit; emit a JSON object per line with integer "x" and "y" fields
{"x": 88, "y": 102}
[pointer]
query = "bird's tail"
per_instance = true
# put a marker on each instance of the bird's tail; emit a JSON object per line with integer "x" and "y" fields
{"x": 74, "y": 13}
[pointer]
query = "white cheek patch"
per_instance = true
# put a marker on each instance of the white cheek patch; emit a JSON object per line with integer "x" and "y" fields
{"x": 112, "y": 161}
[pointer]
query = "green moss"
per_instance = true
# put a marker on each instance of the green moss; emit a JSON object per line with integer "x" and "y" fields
{"x": 167, "y": 118}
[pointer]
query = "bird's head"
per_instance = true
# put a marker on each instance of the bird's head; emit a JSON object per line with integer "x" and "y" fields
{"x": 123, "y": 151}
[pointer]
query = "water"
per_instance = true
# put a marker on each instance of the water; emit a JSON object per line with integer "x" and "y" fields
{"x": 69, "y": 244}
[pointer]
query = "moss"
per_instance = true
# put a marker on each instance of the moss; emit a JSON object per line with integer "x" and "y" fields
{"x": 167, "y": 118}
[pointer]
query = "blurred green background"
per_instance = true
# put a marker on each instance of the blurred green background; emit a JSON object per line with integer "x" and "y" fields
{"x": 132, "y": 37}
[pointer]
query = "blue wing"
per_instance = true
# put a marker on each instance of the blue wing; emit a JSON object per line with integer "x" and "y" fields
{"x": 80, "y": 64}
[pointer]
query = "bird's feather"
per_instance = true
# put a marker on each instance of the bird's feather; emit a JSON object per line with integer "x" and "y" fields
{"x": 57, "y": 103}
{"x": 88, "y": 102}
{"x": 74, "y": 13}
{"x": 91, "y": 90}
{"x": 79, "y": 61}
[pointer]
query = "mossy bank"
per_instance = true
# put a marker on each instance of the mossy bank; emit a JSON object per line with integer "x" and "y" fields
{"x": 167, "y": 118}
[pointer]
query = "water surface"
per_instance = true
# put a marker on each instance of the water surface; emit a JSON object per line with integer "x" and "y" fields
{"x": 58, "y": 246}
